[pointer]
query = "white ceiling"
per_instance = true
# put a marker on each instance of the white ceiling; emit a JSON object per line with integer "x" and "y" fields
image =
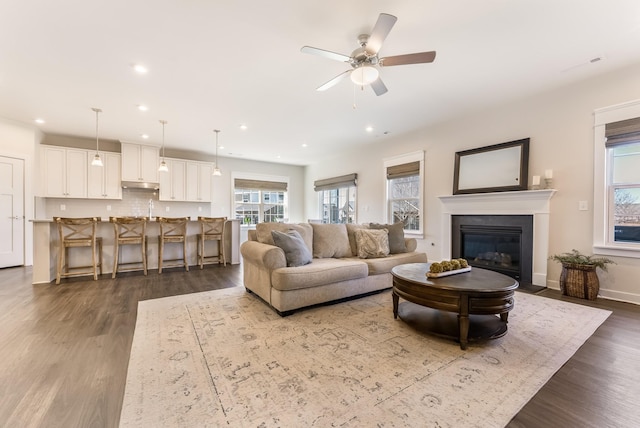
{"x": 218, "y": 64}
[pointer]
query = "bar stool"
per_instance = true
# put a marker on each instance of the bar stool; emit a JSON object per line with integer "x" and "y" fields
{"x": 78, "y": 233}
{"x": 172, "y": 230}
{"x": 211, "y": 229}
{"x": 129, "y": 231}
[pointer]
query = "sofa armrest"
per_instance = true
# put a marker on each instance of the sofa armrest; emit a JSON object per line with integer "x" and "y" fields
{"x": 411, "y": 243}
{"x": 268, "y": 256}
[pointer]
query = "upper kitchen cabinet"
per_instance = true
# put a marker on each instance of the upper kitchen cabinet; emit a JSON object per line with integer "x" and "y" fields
{"x": 173, "y": 182}
{"x": 140, "y": 163}
{"x": 104, "y": 181}
{"x": 65, "y": 172}
{"x": 199, "y": 181}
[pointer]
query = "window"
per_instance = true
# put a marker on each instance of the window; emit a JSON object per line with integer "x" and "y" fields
{"x": 404, "y": 191}
{"x": 258, "y": 201}
{"x": 337, "y": 198}
{"x": 623, "y": 181}
{"x": 616, "y": 197}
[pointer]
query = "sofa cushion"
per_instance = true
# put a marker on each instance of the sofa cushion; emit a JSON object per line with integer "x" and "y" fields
{"x": 385, "y": 264}
{"x": 351, "y": 229}
{"x": 330, "y": 240}
{"x": 295, "y": 250}
{"x": 396, "y": 236}
{"x": 318, "y": 272}
{"x": 263, "y": 232}
{"x": 372, "y": 243}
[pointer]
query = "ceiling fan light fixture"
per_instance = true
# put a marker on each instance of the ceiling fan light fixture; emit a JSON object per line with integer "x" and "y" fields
{"x": 364, "y": 75}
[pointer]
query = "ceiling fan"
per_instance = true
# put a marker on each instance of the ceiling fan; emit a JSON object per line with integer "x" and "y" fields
{"x": 364, "y": 60}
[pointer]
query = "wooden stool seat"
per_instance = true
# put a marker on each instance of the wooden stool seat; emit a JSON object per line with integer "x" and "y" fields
{"x": 129, "y": 231}
{"x": 78, "y": 233}
{"x": 211, "y": 229}
{"x": 172, "y": 230}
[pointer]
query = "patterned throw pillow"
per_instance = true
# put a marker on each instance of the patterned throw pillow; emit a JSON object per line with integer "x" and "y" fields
{"x": 295, "y": 250}
{"x": 372, "y": 243}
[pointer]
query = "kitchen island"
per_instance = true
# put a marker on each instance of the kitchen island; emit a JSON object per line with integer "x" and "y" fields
{"x": 45, "y": 247}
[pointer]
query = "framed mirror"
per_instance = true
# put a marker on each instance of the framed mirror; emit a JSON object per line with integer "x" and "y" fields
{"x": 498, "y": 168}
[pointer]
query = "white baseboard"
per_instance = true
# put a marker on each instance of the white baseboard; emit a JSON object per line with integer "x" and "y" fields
{"x": 604, "y": 293}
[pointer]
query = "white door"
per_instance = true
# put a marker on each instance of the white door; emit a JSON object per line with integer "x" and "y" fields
{"x": 11, "y": 212}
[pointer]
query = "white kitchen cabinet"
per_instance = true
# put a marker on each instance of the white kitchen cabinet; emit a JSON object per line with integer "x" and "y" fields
{"x": 173, "y": 183}
{"x": 104, "y": 181}
{"x": 199, "y": 181}
{"x": 140, "y": 163}
{"x": 65, "y": 172}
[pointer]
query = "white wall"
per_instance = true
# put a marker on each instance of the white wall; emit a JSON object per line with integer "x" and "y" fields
{"x": 19, "y": 141}
{"x": 560, "y": 125}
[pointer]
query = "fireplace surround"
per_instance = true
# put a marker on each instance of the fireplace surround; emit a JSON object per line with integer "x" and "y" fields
{"x": 533, "y": 203}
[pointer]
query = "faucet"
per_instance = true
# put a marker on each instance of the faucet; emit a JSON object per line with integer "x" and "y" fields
{"x": 150, "y": 208}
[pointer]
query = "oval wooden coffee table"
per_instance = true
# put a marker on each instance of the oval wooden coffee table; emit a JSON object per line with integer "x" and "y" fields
{"x": 463, "y": 306}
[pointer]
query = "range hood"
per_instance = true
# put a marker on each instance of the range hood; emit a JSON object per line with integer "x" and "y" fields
{"x": 140, "y": 185}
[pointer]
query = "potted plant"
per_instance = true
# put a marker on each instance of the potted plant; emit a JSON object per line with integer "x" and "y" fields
{"x": 579, "y": 277}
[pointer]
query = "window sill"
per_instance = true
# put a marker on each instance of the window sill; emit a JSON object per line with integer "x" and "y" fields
{"x": 416, "y": 235}
{"x": 617, "y": 251}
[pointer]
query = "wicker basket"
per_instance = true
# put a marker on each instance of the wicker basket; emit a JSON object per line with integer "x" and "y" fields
{"x": 579, "y": 281}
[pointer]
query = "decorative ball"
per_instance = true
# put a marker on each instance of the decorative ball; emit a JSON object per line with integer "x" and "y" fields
{"x": 435, "y": 268}
{"x": 455, "y": 264}
{"x": 463, "y": 263}
{"x": 446, "y": 265}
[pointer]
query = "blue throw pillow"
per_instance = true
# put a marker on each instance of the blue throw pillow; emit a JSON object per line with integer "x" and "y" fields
{"x": 295, "y": 250}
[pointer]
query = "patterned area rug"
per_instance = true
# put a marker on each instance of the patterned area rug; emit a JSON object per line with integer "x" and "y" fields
{"x": 223, "y": 358}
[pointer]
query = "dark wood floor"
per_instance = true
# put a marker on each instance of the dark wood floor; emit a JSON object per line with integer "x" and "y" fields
{"x": 64, "y": 352}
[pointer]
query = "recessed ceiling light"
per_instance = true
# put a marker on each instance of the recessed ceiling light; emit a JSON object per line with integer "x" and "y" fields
{"x": 139, "y": 68}
{"x": 369, "y": 129}
{"x": 39, "y": 121}
{"x": 221, "y": 147}
{"x": 305, "y": 145}
{"x": 142, "y": 107}
{"x": 145, "y": 136}
{"x": 243, "y": 127}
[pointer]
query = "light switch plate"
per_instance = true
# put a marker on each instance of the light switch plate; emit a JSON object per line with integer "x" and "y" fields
{"x": 583, "y": 206}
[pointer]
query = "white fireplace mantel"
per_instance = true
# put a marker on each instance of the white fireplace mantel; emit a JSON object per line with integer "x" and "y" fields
{"x": 528, "y": 202}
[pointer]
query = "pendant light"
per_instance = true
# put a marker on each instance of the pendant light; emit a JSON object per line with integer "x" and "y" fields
{"x": 163, "y": 165}
{"x": 96, "y": 159}
{"x": 216, "y": 170}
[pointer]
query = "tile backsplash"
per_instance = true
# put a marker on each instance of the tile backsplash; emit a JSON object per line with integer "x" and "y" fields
{"x": 135, "y": 202}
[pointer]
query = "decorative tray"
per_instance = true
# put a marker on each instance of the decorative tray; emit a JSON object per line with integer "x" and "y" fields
{"x": 449, "y": 272}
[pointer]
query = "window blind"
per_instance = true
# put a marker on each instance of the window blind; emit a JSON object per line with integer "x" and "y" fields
{"x": 336, "y": 182}
{"x": 273, "y": 186}
{"x": 623, "y": 132}
{"x": 403, "y": 170}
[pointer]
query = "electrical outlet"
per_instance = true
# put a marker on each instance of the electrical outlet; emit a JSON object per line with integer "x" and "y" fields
{"x": 108, "y": 207}
{"x": 199, "y": 209}
{"x": 583, "y": 206}
{"x": 63, "y": 207}
{"x": 166, "y": 209}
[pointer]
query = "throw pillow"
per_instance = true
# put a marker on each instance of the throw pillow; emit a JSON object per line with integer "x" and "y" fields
{"x": 372, "y": 243}
{"x": 294, "y": 247}
{"x": 396, "y": 236}
{"x": 330, "y": 240}
{"x": 351, "y": 228}
{"x": 263, "y": 232}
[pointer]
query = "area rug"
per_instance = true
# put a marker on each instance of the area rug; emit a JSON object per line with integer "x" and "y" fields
{"x": 223, "y": 358}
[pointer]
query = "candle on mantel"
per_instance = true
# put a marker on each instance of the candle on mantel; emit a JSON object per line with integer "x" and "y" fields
{"x": 548, "y": 173}
{"x": 536, "y": 180}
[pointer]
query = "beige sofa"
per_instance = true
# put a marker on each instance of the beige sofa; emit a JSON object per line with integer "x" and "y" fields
{"x": 340, "y": 268}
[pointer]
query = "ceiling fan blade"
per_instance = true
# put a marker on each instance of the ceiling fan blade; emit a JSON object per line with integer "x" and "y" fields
{"x": 414, "y": 58}
{"x": 334, "y": 81}
{"x": 324, "y": 53}
{"x": 379, "y": 33}
{"x": 378, "y": 87}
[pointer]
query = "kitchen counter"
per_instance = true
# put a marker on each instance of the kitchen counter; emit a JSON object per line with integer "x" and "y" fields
{"x": 45, "y": 247}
